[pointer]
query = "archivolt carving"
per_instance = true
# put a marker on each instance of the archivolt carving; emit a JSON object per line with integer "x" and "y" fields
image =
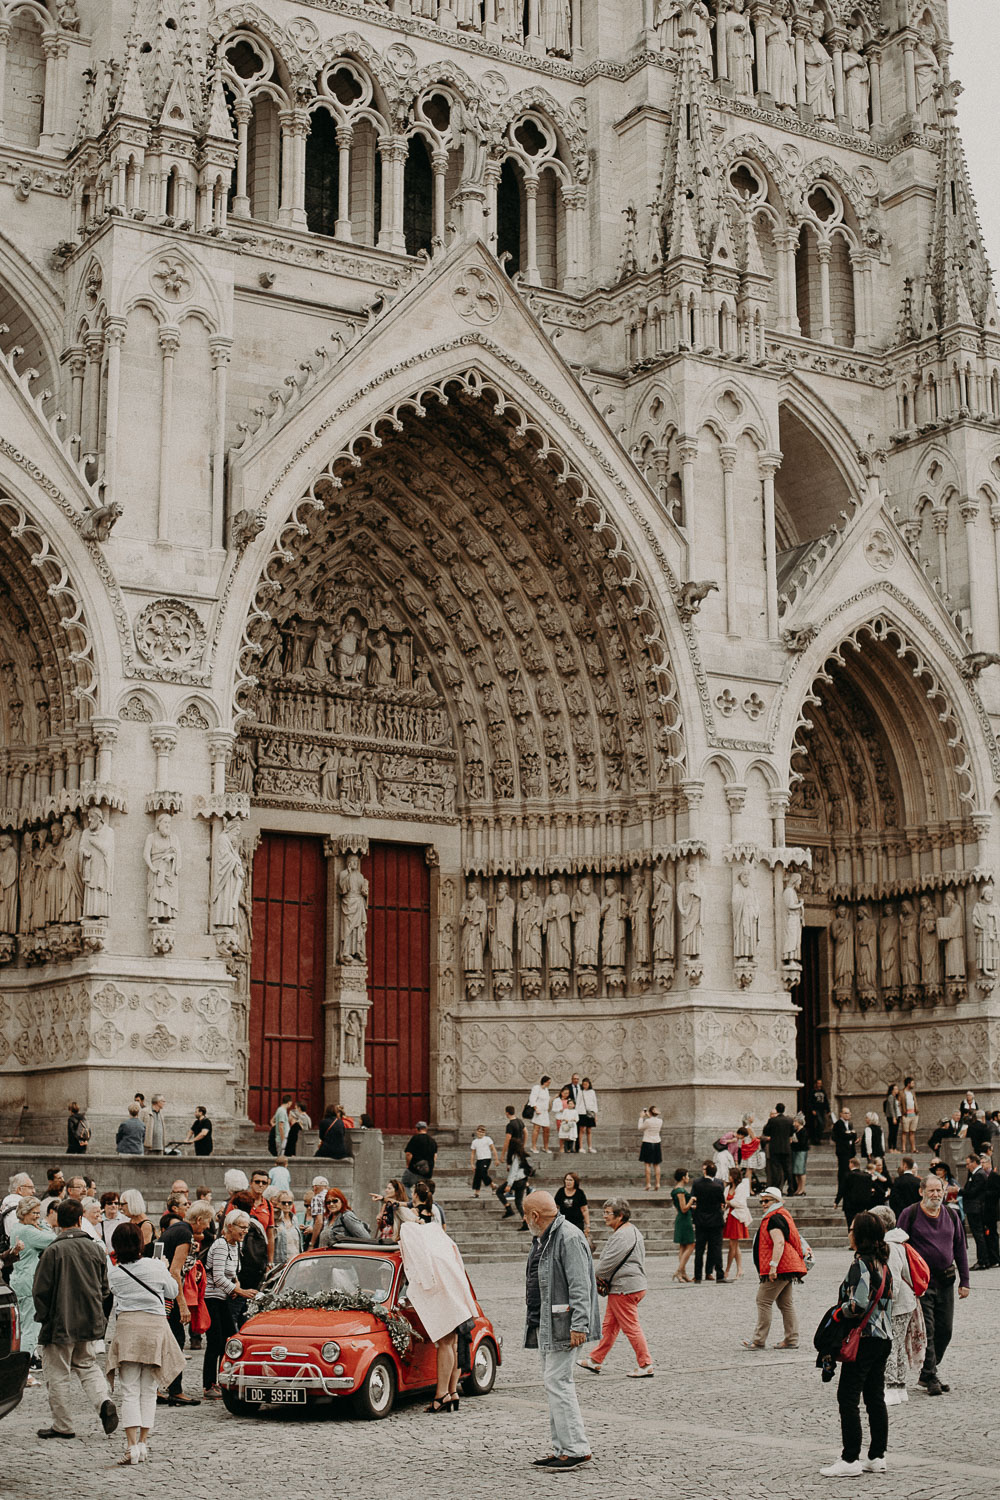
{"x": 486, "y": 633}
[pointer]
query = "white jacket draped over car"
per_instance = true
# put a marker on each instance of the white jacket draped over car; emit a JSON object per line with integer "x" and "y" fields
{"x": 438, "y": 1285}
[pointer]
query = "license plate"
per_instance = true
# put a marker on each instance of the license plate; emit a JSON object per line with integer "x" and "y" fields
{"x": 279, "y": 1396}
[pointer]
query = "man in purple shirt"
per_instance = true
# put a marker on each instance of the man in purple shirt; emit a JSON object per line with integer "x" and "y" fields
{"x": 937, "y": 1233}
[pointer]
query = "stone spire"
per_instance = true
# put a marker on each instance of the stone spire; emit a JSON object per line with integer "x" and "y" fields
{"x": 959, "y": 281}
{"x": 694, "y": 220}
{"x": 130, "y": 100}
{"x": 154, "y": 33}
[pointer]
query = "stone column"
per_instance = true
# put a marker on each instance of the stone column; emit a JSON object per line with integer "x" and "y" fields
{"x": 969, "y": 509}
{"x": 105, "y": 736}
{"x": 169, "y": 339}
{"x": 826, "y": 328}
{"x": 391, "y": 237}
{"x": 728, "y": 455}
{"x": 758, "y": 16}
{"x": 768, "y": 464}
{"x": 836, "y": 40}
{"x": 243, "y": 110}
{"x": 875, "y": 68}
{"x": 491, "y": 178}
{"x": 575, "y": 202}
{"x": 5, "y": 32}
{"x": 940, "y": 522}
{"x": 785, "y": 243}
{"x": 909, "y": 40}
{"x": 94, "y": 343}
{"x": 995, "y": 523}
{"x": 531, "y": 275}
{"x": 77, "y": 370}
{"x": 800, "y": 30}
{"x": 687, "y": 450}
{"x": 114, "y": 334}
{"x": 345, "y": 140}
{"x": 533, "y": 40}
{"x": 55, "y": 50}
{"x": 721, "y": 41}
{"x": 221, "y": 350}
{"x": 439, "y": 167}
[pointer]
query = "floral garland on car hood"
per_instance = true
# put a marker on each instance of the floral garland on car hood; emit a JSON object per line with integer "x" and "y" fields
{"x": 399, "y": 1329}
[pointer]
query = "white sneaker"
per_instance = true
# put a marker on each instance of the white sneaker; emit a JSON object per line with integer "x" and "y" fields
{"x": 895, "y": 1395}
{"x": 592, "y": 1150}
{"x": 840, "y": 1469}
{"x": 873, "y": 1465}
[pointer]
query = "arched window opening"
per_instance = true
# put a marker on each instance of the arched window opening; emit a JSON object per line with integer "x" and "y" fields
{"x": 322, "y": 174}
{"x": 510, "y": 217}
{"x": 808, "y": 302}
{"x": 264, "y": 159}
{"x": 172, "y": 204}
{"x": 418, "y": 197}
{"x": 25, "y": 82}
{"x": 841, "y": 292}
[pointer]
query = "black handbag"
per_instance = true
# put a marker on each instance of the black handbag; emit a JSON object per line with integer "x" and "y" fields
{"x": 528, "y": 1112}
{"x": 604, "y": 1282}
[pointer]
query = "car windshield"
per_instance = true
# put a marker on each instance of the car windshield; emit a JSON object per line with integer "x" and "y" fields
{"x": 340, "y": 1273}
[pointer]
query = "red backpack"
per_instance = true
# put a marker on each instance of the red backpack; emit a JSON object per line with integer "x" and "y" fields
{"x": 920, "y": 1271}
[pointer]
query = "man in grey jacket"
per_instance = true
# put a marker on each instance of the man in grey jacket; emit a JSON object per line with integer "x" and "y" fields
{"x": 72, "y": 1303}
{"x": 563, "y": 1313}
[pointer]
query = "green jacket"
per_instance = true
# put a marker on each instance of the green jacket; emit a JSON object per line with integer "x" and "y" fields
{"x": 71, "y": 1292}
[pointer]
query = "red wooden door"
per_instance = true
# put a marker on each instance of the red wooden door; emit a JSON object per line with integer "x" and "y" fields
{"x": 397, "y": 1043}
{"x": 287, "y": 974}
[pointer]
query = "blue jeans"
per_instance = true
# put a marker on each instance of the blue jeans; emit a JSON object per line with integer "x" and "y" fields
{"x": 565, "y": 1417}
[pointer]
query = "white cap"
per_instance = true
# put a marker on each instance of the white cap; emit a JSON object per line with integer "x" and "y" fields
{"x": 772, "y": 1192}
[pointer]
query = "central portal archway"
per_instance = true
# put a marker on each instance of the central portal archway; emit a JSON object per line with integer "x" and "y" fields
{"x": 449, "y": 654}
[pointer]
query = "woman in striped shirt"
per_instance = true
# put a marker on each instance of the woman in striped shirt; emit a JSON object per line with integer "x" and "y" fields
{"x": 222, "y": 1265}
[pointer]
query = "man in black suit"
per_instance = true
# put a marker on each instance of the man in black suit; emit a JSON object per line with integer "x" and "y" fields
{"x": 857, "y": 1193}
{"x": 777, "y": 1136}
{"x": 977, "y": 1132}
{"x": 974, "y": 1204}
{"x": 905, "y": 1187}
{"x": 708, "y": 1197}
{"x": 991, "y": 1211}
{"x": 845, "y": 1141}
{"x": 816, "y": 1112}
{"x": 948, "y": 1130}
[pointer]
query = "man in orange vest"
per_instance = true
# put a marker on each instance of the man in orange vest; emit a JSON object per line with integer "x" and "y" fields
{"x": 778, "y": 1256}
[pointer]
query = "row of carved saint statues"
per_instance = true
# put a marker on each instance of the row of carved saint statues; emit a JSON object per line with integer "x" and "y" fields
{"x": 913, "y": 951}
{"x": 63, "y": 875}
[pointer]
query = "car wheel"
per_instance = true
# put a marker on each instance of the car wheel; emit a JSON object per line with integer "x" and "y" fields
{"x": 236, "y": 1406}
{"x": 378, "y": 1391}
{"x": 480, "y": 1381}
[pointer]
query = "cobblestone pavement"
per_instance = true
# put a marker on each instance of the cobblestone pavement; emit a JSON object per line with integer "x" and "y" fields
{"x": 715, "y": 1422}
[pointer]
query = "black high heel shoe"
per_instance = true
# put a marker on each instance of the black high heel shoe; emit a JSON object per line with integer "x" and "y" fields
{"x": 439, "y": 1404}
{"x": 452, "y": 1400}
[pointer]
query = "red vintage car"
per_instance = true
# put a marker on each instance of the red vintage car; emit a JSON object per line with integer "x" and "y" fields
{"x": 299, "y": 1355}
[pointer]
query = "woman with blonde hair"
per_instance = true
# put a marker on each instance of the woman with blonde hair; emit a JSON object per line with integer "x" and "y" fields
{"x": 29, "y": 1239}
{"x": 133, "y": 1205}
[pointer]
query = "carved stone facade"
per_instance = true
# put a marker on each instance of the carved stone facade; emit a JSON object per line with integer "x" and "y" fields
{"x": 641, "y": 565}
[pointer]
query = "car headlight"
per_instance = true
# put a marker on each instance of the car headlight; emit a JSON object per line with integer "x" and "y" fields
{"x": 234, "y": 1348}
{"x": 330, "y": 1352}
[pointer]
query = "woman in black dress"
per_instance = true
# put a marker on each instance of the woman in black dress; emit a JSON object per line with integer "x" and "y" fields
{"x": 571, "y": 1202}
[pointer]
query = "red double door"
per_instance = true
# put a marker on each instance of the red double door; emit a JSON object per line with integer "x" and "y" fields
{"x": 288, "y": 979}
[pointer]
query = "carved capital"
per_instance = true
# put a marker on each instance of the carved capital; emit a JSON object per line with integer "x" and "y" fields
{"x": 221, "y": 349}
{"x": 694, "y": 791}
{"x": 768, "y": 464}
{"x": 220, "y": 744}
{"x": 727, "y": 452}
{"x": 163, "y": 738}
{"x": 105, "y": 732}
{"x": 736, "y": 796}
{"x": 969, "y": 510}
{"x": 169, "y": 339}
{"x": 115, "y": 330}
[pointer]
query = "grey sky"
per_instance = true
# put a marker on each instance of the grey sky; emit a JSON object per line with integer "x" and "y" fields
{"x": 975, "y": 30}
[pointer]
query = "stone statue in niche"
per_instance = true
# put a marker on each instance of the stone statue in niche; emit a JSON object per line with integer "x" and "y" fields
{"x": 502, "y": 939}
{"x": 985, "y": 925}
{"x": 819, "y": 70}
{"x": 404, "y": 662}
{"x": 951, "y": 932}
{"x": 27, "y": 915}
{"x": 228, "y": 874}
{"x": 557, "y": 938}
{"x": 739, "y": 49}
{"x": 530, "y": 918}
{"x": 794, "y": 914}
{"x": 746, "y": 917}
{"x": 329, "y": 771}
{"x": 663, "y": 915}
{"x": 473, "y": 923}
{"x": 8, "y": 884}
{"x": 379, "y": 659}
{"x": 614, "y": 910}
{"x": 689, "y": 907}
{"x": 72, "y": 895}
{"x": 666, "y": 24}
{"x": 927, "y": 71}
{"x": 97, "y": 864}
{"x": 640, "y": 897}
{"x": 354, "y": 1039}
{"x": 909, "y": 953}
{"x": 161, "y": 855}
{"x": 780, "y": 57}
{"x": 351, "y": 655}
{"x": 888, "y": 954}
{"x": 857, "y": 81}
{"x": 585, "y": 911}
{"x": 866, "y": 947}
{"x": 554, "y": 22}
{"x": 930, "y": 949}
{"x": 353, "y": 889}
{"x": 842, "y": 937}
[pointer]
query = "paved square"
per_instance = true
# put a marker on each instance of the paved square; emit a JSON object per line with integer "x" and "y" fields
{"x": 716, "y": 1422}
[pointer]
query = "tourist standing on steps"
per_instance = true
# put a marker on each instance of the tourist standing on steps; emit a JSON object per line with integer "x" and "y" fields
{"x": 622, "y": 1268}
{"x": 588, "y": 1117}
{"x": 778, "y": 1257}
{"x": 683, "y": 1221}
{"x": 845, "y": 1143}
{"x": 538, "y": 1101}
{"x": 865, "y": 1298}
{"x": 777, "y": 1137}
{"x": 77, "y": 1131}
{"x": 650, "y": 1150}
{"x": 936, "y": 1233}
{"x": 911, "y": 1114}
{"x": 567, "y": 1115}
{"x": 708, "y": 1198}
{"x": 892, "y": 1108}
{"x": 800, "y": 1157}
{"x": 72, "y": 1303}
{"x": 562, "y": 1314}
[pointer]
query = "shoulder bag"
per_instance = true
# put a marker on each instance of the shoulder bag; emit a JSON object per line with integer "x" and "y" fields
{"x": 604, "y": 1282}
{"x": 528, "y": 1112}
{"x": 852, "y": 1342}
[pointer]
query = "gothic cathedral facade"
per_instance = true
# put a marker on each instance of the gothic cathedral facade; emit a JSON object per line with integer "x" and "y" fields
{"x": 500, "y": 538}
